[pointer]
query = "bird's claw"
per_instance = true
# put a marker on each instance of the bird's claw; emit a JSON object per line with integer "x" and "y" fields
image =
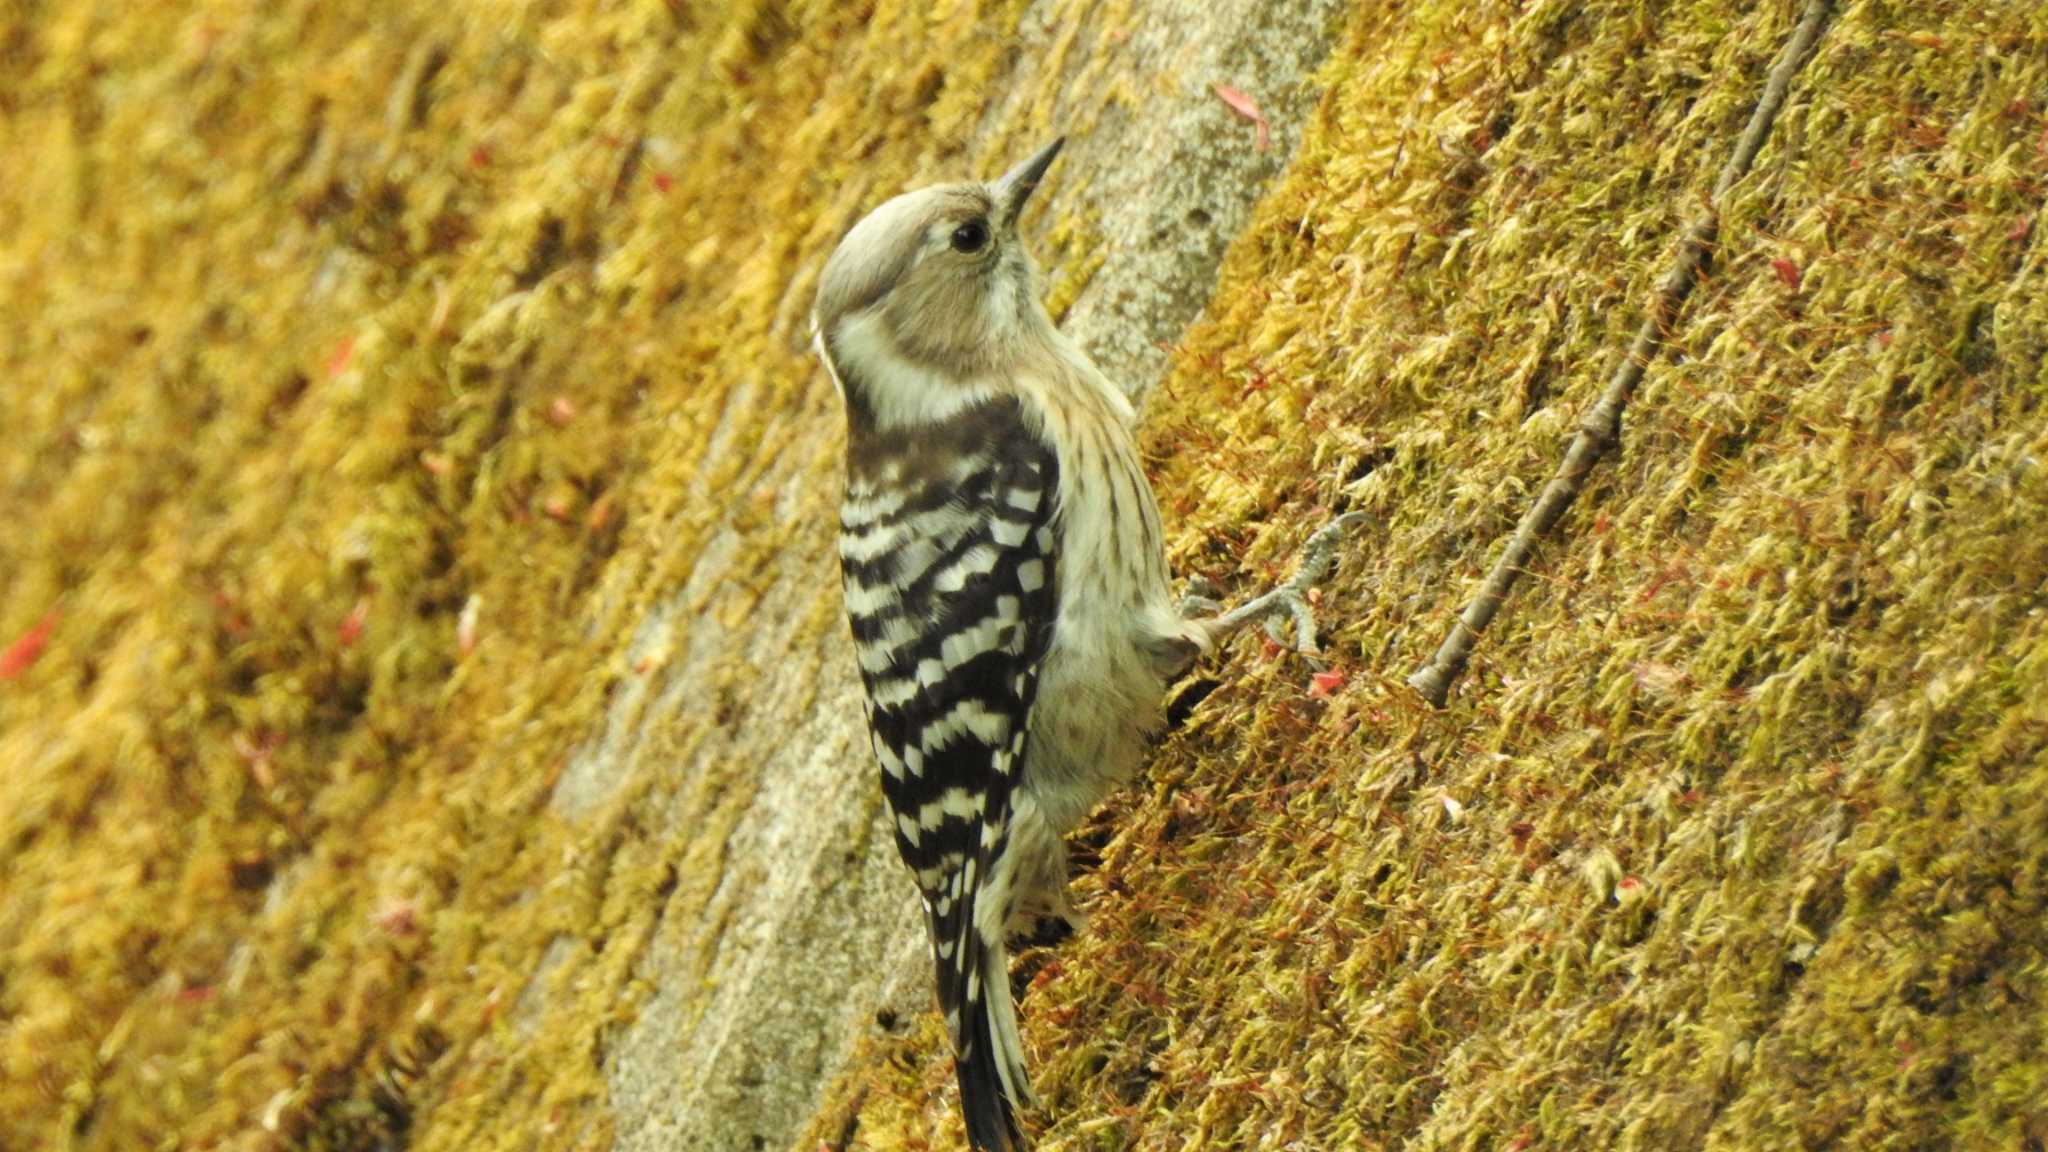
{"x": 1201, "y": 598}
{"x": 1291, "y": 608}
{"x": 1289, "y": 602}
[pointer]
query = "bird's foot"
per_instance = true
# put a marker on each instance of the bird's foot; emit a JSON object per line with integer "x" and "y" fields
{"x": 1202, "y": 598}
{"x": 1049, "y": 931}
{"x": 1045, "y": 917}
{"x": 1289, "y": 602}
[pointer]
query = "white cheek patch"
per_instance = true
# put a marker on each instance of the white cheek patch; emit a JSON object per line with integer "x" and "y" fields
{"x": 900, "y": 392}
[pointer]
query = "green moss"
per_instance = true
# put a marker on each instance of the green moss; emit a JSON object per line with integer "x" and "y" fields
{"x": 320, "y": 326}
{"x": 1736, "y": 834}
{"x": 324, "y": 326}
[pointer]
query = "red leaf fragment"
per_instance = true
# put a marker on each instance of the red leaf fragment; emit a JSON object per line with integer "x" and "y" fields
{"x": 663, "y": 182}
{"x": 1324, "y": 683}
{"x": 228, "y": 615}
{"x": 338, "y": 360}
{"x": 1245, "y": 106}
{"x": 196, "y": 994}
{"x": 479, "y": 157}
{"x": 27, "y": 648}
{"x": 351, "y": 628}
{"x": 1788, "y": 272}
{"x": 2021, "y": 228}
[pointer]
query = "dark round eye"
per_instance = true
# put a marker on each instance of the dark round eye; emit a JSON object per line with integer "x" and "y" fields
{"x": 971, "y": 236}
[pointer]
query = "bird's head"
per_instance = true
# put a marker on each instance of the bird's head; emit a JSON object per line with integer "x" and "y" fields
{"x": 938, "y": 275}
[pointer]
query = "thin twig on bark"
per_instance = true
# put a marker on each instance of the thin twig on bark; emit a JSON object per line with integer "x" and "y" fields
{"x": 1601, "y": 425}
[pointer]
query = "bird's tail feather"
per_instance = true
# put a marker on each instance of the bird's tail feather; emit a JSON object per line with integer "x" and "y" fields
{"x": 988, "y": 1053}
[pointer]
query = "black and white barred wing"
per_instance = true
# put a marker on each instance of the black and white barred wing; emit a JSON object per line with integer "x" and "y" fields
{"x": 947, "y": 554}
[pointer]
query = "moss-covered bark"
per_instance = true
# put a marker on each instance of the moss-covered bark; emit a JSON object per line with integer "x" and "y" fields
{"x": 325, "y": 331}
{"x": 1738, "y": 835}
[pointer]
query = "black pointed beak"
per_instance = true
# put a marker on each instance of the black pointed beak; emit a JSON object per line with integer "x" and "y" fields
{"x": 1018, "y": 183}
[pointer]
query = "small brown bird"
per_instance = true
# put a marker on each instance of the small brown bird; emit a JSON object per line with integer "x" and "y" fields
{"x": 1005, "y": 576}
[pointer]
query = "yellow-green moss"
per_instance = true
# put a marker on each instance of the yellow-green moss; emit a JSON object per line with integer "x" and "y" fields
{"x": 322, "y": 325}
{"x": 1737, "y": 834}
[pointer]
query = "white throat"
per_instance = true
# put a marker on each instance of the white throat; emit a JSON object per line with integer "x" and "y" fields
{"x": 900, "y": 392}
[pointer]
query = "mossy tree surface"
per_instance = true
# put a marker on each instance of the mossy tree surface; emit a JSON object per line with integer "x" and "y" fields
{"x": 372, "y": 373}
{"x": 325, "y": 331}
{"x": 1736, "y": 834}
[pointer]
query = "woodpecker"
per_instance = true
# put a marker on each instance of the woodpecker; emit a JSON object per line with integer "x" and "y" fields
{"x": 1005, "y": 577}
